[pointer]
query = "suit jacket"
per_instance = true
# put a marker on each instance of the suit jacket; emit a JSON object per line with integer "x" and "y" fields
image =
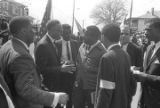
{"x": 18, "y": 69}
{"x": 48, "y": 63}
{"x": 135, "y": 54}
{"x": 116, "y": 85}
{"x": 88, "y": 68}
{"x": 67, "y": 79}
{"x": 3, "y": 99}
{"x": 151, "y": 85}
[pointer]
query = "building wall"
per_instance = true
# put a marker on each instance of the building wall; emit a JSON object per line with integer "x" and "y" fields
{"x": 141, "y": 24}
{"x": 13, "y": 9}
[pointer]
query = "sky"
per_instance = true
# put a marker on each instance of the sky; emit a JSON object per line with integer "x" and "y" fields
{"x": 63, "y": 9}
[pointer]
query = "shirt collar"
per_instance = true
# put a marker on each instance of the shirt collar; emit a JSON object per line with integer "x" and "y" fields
{"x": 95, "y": 44}
{"x": 52, "y": 40}
{"x": 26, "y": 46}
{"x": 157, "y": 45}
{"x": 111, "y": 46}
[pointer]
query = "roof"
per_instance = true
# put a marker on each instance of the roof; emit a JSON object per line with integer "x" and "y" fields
{"x": 149, "y": 15}
{"x": 13, "y": 1}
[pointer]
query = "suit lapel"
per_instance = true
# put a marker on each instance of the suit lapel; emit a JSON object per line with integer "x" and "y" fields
{"x": 154, "y": 57}
{"x": 52, "y": 45}
{"x": 59, "y": 46}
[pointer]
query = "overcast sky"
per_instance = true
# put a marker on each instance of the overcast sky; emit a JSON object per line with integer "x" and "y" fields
{"x": 62, "y": 9}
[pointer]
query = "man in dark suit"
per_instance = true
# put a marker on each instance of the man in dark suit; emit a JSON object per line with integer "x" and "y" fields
{"x": 19, "y": 71}
{"x": 68, "y": 50}
{"x": 114, "y": 78}
{"x": 150, "y": 78}
{"x": 134, "y": 51}
{"x": 48, "y": 59}
{"x": 5, "y": 95}
{"x": 89, "y": 57}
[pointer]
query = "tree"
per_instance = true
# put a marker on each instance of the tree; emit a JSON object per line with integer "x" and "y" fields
{"x": 109, "y": 11}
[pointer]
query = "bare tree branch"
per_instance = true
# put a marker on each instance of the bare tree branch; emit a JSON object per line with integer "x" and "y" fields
{"x": 109, "y": 11}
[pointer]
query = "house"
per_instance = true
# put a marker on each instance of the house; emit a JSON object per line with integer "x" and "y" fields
{"x": 11, "y": 8}
{"x": 139, "y": 23}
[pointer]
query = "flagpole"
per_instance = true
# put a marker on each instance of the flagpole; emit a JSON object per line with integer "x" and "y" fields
{"x": 73, "y": 17}
{"x": 130, "y": 21}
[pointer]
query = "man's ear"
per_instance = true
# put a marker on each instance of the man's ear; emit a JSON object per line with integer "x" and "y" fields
{"x": 23, "y": 31}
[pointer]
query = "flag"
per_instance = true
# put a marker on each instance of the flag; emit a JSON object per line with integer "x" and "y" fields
{"x": 80, "y": 29}
{"x": 46, "y": 18}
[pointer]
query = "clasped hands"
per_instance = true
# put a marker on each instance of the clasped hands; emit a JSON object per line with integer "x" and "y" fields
{"x": 63, "y": 98}
{"x": 68, "y": 68}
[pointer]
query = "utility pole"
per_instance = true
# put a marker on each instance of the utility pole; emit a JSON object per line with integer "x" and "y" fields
{"x": 73, "y": 17}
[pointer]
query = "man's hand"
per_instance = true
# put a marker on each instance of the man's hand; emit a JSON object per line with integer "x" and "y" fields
{"x": 67, "y": 68}
{"x": 139, "y": 76}
{"x": 63, "y": 98}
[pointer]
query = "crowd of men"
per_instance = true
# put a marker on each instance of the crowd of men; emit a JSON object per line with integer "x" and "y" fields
{"x": 100, "y": 72}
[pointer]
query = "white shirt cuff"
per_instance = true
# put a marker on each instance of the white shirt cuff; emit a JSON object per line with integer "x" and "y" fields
{"x": 56, "y": 100}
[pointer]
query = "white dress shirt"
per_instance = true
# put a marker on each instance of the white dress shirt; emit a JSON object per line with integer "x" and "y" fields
{"x": 124, "y": 47}
{"x": 65, "y": 52}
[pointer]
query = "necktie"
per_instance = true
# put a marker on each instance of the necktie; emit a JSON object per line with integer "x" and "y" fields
{"x": 68, "y": 52}
{"x": 54, "y": 44}
{"x": 150, "y": 53}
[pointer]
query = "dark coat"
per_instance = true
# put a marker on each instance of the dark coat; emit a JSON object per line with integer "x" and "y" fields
{"x": 117, "y": 84}
{"x": 48, "y": 63}
{"x": 18, "y": 69}
{"x": 151, "y": 85}
{"x": 66, "y": 78}
{"x": 135, "y": 53}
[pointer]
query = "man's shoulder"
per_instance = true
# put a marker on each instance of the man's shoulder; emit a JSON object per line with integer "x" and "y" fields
{"x": 74, "y": 41}
{"x": 11, "y": 50}
{"x": 100, "y": 47}
{"x": 42, "y": 41}
{"x": 133, "y": 45}
{"x": 58, "y": 41}
{"x": 109, "y": 54}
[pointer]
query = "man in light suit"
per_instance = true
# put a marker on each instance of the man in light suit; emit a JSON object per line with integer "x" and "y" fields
{"x": 88, "y": 57}
{"x": 48, "y": 59}
{"x": 150, "y": 78}
{"x": 19, "y": 71}
{"x": 115, "y": 82}
{"x": 68, "y": 50}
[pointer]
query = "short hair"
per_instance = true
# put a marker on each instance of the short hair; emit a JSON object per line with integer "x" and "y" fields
{"x": 111, "y": 32}
{"x": 51, "y": 24}
{"x": 93, "y": 31}
{"x": 155, "y": 25}
{"x": 66, "y": 26}
{"x": 17, "y": 23}
{"x": 151, "y": 23}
